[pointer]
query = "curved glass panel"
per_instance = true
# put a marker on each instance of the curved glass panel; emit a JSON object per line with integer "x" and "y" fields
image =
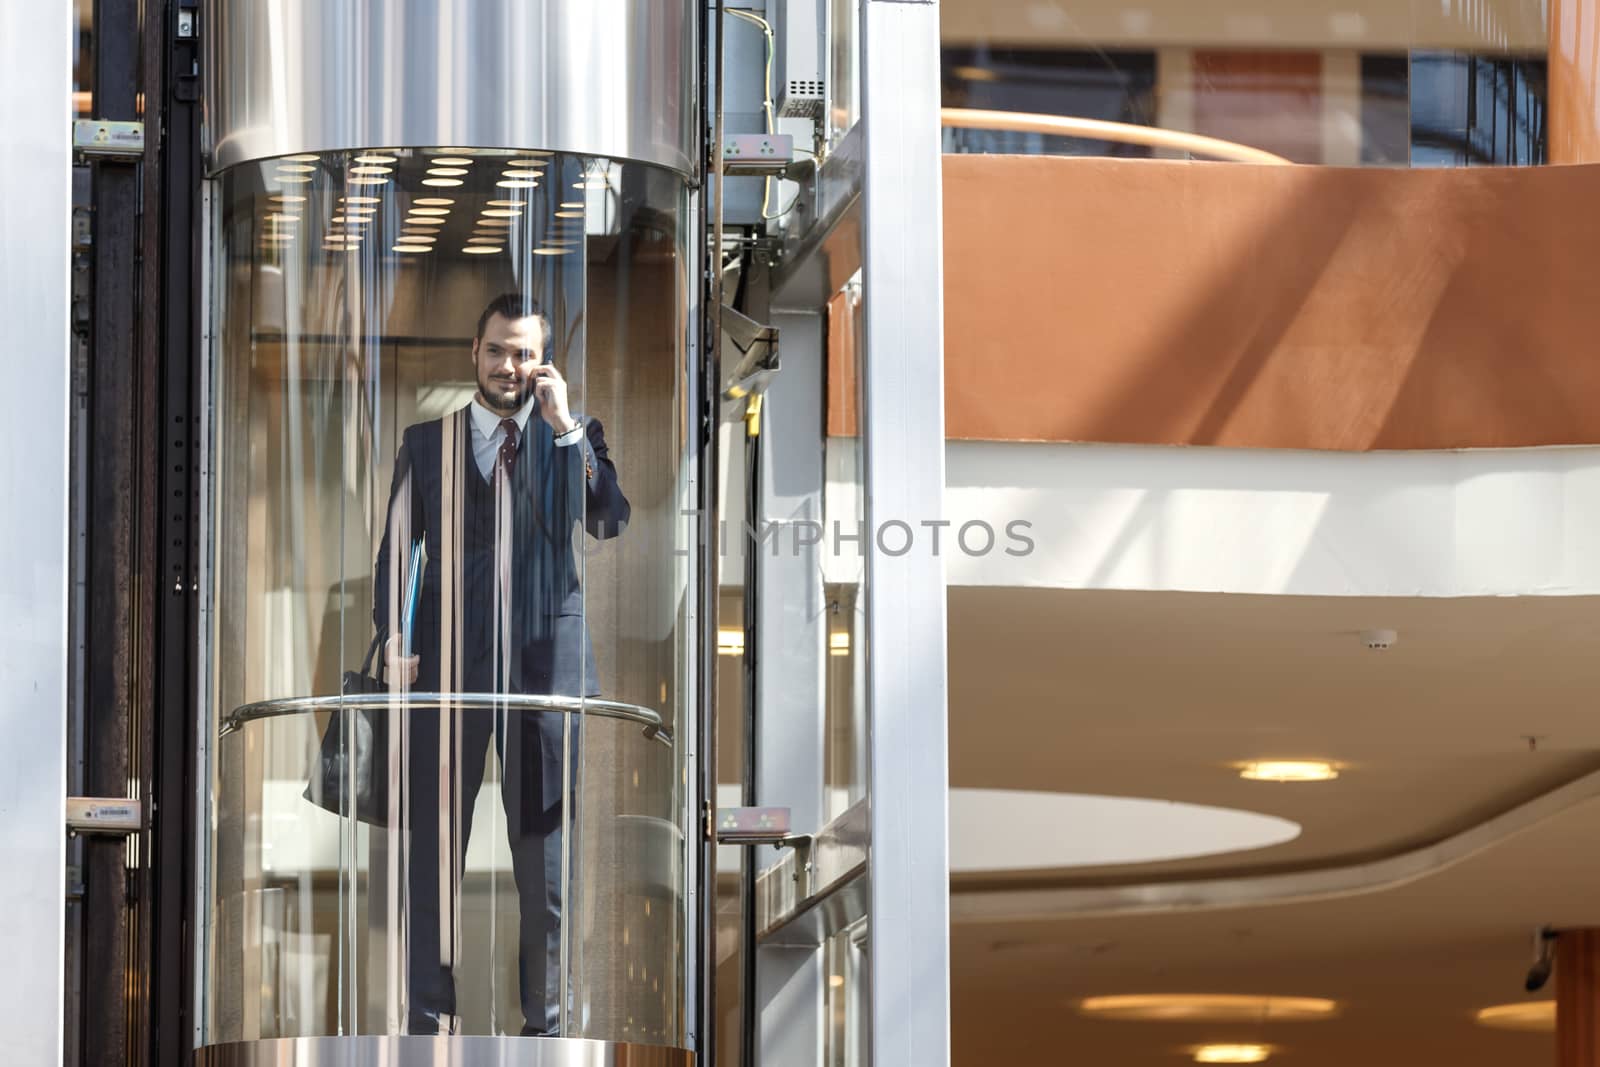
{"x": 447, "y": 653}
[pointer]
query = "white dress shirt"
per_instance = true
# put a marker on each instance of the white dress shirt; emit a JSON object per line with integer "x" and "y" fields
{"x": 487, "y": 434}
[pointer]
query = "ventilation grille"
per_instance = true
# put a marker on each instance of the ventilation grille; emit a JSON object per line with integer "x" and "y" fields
{"x": 802, "y": 99}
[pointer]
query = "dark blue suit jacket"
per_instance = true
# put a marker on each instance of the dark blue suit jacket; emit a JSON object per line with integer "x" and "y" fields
{"x": 501, "y": 605}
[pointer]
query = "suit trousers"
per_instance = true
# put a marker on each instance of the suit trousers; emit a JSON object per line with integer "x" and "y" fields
{"x": 447, "y": 754}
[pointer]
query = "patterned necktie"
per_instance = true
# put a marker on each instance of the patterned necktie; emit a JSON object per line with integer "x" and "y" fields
{"x": 508, "y": 446}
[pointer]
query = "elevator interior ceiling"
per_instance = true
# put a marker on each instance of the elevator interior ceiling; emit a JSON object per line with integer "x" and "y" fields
{"x": 1144, "y": 694}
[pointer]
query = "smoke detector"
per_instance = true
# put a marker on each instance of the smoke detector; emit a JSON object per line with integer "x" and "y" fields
{"x": 1379, "y": 640}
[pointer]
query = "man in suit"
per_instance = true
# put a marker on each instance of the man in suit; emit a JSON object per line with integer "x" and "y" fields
{"x": 494, "y": 492}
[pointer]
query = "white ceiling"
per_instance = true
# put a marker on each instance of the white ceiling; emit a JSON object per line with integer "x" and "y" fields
{"x": 1155, "y": 695}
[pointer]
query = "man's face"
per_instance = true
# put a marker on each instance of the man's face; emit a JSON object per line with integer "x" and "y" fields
{"x": 504, "y": 359}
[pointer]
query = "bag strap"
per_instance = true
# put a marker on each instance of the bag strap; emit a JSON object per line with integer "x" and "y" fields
{"x": 372, "y": 651}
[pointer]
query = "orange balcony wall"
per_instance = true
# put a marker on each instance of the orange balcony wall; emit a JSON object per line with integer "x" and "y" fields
{"x": 1154, "y": 302}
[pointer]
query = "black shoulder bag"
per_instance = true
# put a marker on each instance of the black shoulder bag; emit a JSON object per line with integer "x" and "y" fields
{"x": 351, "y": 776}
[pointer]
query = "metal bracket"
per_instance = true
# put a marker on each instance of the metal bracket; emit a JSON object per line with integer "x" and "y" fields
{"x": 754, "y": 826}
{"x": 104, "y": 815}
{"x": 103, "y": 139}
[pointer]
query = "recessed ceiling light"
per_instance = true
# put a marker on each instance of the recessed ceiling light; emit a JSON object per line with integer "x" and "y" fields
{"x": 292, "y": 179}
{"x": 361, "y": 199}
{"x": 371, "y": 170}
{"x": 377, "y": 159}
{"x": 839, "y": 644}
{"x": 494, "y": 224}
{"x": 423, "y": 220}
{"x": 357, "y": 219}
{"x": 521, "y": 174}
{"x": 569, "y": 214}
{"x": 296, "y": 168}
{"x": 835, "y": 981}
{"x": 365, "y": 180}
{"x": 572, "y": 203}
{"x": 554, "y": 252}
{"x": 433, "y": 201}
{"x": 282, "y": 217}
{"x": 1232, "y": 1053}
{"x": 1289, "y": 770}
{"x": 1538, "y": 1015}
{"x": 303, "y": 158}
{"x": 501, "y": 213}
{"x": 516, "y": 183}
{"x": 412, "y": 248}
{"x": 443, "y": 183}
{"x": 412, "y": 238}
{"x": 525, "y": 163}
{"x": 519, "y": 204}
{"x": 485, "y": 239}
{"x": 429, "y": 211}
{"x": 729, "y": 642}
{"x": 1207, "y": 1007}
{"x": 446, "y": 172}
{"x": 358, "y": 209}
{"x": 481, "y": 250}
{"x": 452, "y": 161}
{"x": 287, "y": 198}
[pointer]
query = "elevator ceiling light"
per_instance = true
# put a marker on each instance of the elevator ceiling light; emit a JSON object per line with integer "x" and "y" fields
{"x": 516, "y": 183}
{"x": 366, "y": 180}
{"x": 412, "y": 248}
{"x": 378, "y": 159}
{"x": 305, "y": 158}
{"x": 729, "y": 642}
{"x": 425, "y": 211}
{"x": 1537, "y": 1015}
{"x": 444, "y": 183}
{"x": 446, "y": 172}
{"x": 287, "y": 198}
{"x": 1207, "y": 1007}
{"x": 296, "y": 168}
{"x": 501, "y": 213}
{"x": 481, "y": 250}
{"x": 433, "y": 201}
{"x": 569, "y": 214}
{"x": 361, "y": 200}
{"x": 1288, "y": 770}
{"x": 1232, "y": 1053}
{"x": 452, "y": 161}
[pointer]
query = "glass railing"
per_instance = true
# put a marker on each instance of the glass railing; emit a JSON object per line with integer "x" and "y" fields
{"x": 448, "y": 462}
{"x": 1418, "y": 83}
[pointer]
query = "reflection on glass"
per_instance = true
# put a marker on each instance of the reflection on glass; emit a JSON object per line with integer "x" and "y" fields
{"x": 449, "y": 461}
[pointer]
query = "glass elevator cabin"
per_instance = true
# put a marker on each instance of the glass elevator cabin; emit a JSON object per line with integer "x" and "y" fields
{"x": 449, "y": 593}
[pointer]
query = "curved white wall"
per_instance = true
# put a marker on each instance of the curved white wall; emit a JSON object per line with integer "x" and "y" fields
{"x": 1437, "y": 524}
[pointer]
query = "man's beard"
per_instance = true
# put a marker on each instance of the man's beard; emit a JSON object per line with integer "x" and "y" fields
{"x": 505, "y": 397}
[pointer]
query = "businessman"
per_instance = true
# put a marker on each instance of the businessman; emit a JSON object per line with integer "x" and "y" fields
{"x": 496, "y": 492}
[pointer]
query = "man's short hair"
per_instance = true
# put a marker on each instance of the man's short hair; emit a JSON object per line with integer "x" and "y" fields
{"x": 514, "y": 306}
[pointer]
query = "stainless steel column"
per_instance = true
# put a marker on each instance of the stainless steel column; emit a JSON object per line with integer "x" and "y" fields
{"x": 909, "y": 924}
{"x": 36, "y": 219}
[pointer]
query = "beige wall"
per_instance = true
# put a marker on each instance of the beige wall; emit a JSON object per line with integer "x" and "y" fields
{"x": 1156, "y": 302}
